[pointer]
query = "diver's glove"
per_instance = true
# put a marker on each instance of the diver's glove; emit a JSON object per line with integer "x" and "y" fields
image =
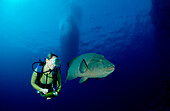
{"x": 45, "y": 91}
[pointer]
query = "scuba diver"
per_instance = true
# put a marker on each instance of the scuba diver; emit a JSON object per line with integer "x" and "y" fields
{"x": 46, "y": 78}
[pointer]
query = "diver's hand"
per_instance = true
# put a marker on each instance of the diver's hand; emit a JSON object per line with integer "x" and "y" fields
{"x": 55, "y": 93}
{"x": 45, "y": 91}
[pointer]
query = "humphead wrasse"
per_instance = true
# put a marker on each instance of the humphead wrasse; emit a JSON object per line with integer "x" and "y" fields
{"x": 89, "y": 65}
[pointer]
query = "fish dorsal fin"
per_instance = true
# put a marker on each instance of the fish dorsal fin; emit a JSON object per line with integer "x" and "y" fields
{"x": 83, "y": 66}
{"x": 70, "y": 62}
{"x": 83, "y": 79}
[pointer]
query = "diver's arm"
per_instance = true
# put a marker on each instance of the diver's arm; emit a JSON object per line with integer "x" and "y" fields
{"x": 33, "y": 79}
{"x": 58, "y": 82}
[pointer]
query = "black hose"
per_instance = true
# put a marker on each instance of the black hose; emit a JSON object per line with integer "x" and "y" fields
{"x": 41, "y": 64}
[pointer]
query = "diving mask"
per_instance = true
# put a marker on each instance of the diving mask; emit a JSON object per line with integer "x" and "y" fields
{"x": 56, "y": 62}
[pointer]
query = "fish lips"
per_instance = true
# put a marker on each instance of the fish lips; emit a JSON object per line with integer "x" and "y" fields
{"x": 110, "y": 68}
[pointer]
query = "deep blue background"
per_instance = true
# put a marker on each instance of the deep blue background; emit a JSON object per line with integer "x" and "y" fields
{"x": 132, "y": 34}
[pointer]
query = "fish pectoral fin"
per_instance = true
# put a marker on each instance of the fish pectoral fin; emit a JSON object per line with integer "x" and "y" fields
{"x": 83, "y": 66}
{"x": 83, "y": 79}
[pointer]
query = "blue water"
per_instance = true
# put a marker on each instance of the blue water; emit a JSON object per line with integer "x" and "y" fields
{"x": 126, "y": 32}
